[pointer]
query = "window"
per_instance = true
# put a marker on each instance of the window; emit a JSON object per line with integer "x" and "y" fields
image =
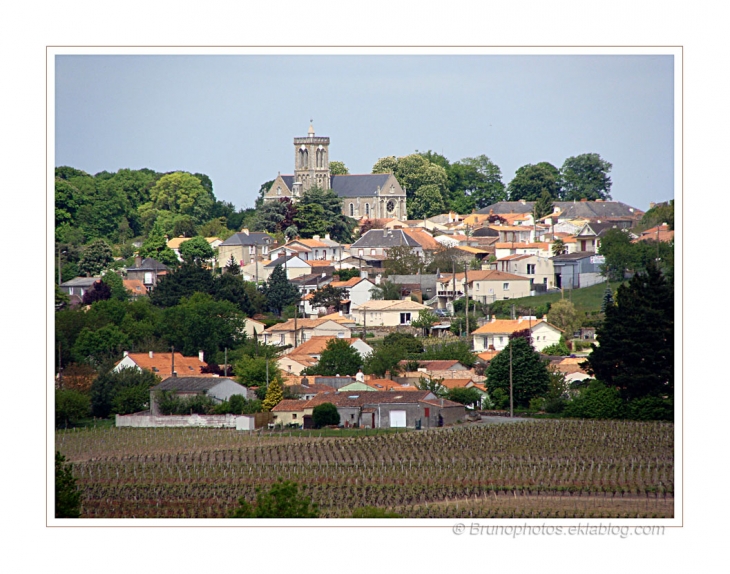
{"x": 530, "y": 269}
{"x": 405, "y": 318}
{"x": 148, "y": 278}
{"x": 477, "y": 284}
{"x": 367, "y": 210}
{"x": 372, "y": 252}
{"x": 281, "y": 338}
{"x": 505, "y": 286}
{"x": 360, "y": 252}
{"x": 294, "y": 415}
{"x": 251, "y": 249}
{"x": 265, "y": 250}
{"x": 278, "y": 190}
{"x": 341, "y": 335}
{"x": 352, "y": 210}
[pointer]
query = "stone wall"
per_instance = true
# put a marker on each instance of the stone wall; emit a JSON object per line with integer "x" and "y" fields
{"x": 240, "y": 422}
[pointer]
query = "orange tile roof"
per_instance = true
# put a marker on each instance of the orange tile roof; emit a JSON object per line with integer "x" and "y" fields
{"x": 488, "y": 355}
{"x": 290, "y": 405}
{"x": 349, "y": 283}
{"x": 315, "y": 345}
{"x": 304, "y": 360}
{"x": 301, "y": 324}
{"x": 161, "y": 364}
{"x": 506, "y": 326}
{"x": 311, "y": 243}
{"x": 517, "y": 245}
{"x": 135, "y": 286}
{"x": 318, "y": 263}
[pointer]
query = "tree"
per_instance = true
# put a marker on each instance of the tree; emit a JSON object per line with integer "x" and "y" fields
{"x": 597, "y": 401}
{"x": 543, "y": 206}
{"x": 199, "y": 322}
{"x": 182, "y": 193}
{"x": 279, "y": 291}
{"x": 456, "y": 351}
{"x": 109, "y": 384}
{"x": 529, "y": 373}
{"x": 607, "y": 299}
{"x": 282, "y": 500}
{"x": 274, "y": 394}
{"x": 478, "y": 178}
{"x": 427, "y": 201}
{"x": 635, "y": 343}
{"x": 71, "y": 408}
{"x": 660, "y": 213}
{"x": 100, "y": 291}
{"x": 425, "y": 320}
{"x": 531, "y": 180}
{"x": 182, "y": 282}
{"x": 325, "y": 415}
{"x": 116, "y": 286}
{"x": 338, "y": 168}
{"x": 347, "y": 274}
{"x": 196, "y": 250}
{"x": 434, "y": 385}
{"x": 68, "y": 495}
{"x": 183, "y": 226}
{"x": 230, "y": 287}
{"x": 386, "y": 291}
{"x": 464, "y": 396}
{"x": 96, "y": 346}
{"x": 338, "y": 358}
{"x": 402, "y": 260}
{"x": 232, "y": 267}
{"x": 276, "y": 216}
{"x": 385, "y": 165}
{"x": 619, "y": 252}
{"x": 558, "y": 247}
{"x": 95, "y": 257}
{"x": 406, "y": 341}
{"x": 328, "y": 297}
{"x": 586, "y": 177}
{"x": 155, "y": 247}
{"x": 565, "y": 317}
{"x": 319, "y": 211}
{"x": 251, "y": 371}
{"x": 384, "y": 359}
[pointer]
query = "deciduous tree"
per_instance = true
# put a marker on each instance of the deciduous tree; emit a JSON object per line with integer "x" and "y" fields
{"x": 196, "y": 250}
{"x": 531, "y": 180}
{"x": 338, "y": 358}
{"x": 95, "y": 257}
{"x": 585, "y": 176}
{"x": 529, "y": 373}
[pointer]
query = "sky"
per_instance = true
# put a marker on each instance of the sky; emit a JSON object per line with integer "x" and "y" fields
{"x": 234, "y": 117}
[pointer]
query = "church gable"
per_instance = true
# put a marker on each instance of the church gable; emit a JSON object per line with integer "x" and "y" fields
{"x": 279, "y": 189}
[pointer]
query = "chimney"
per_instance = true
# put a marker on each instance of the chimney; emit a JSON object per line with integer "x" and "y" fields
{"x": 201, "y": 356}
{"x": 138, "y": 262}
{"x": 326, "y": 235}
{"x": 315, "y": 237}
{"x": 244, "y": 230}
{"x": 152, "y": 355}
{"x": 523, "y": 202}
{"x": 126, "y": 353}
{"x": 584, "y": 199}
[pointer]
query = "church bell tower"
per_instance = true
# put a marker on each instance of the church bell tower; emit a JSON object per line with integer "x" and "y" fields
{"x": 311, "y": 163}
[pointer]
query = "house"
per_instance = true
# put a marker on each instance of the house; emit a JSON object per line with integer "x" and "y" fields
{"x": 245, "y": 247}
{"x": 253, "y": 328}
{"x": 296, "y": 331}
{"x": 538, "y": 269}
{"x": 484, "y": 286}
{"x": 579, "y": 269}
{"x": 378, "y": 242}
{"x": 217, "y": 388}
{"x": 567, "y": 210}
{"x": 289, "y": 412}
{"x": 308, "y": 353}
{"x": 588, "y": 237}
{"x": 77, "y": 286}
{"x": 369, "y": 195}
{"x": 379, "y": 313}
{"x": 357, "y": 289}
{"x": 316, "y": 249}
{"x": 438, "y": 365}
{"x": 494, "y": 335}
{"x": 423, "y": 284}
{"x": 162, "y": 364}
{"x": 147, "y": 270}
{"x": 657, "y": 233}
{"x": 388, "y": 409}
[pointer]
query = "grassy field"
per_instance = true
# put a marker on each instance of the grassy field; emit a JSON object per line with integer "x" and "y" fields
{"x": 545, "y": 468}
{"x": 588, "y": 299}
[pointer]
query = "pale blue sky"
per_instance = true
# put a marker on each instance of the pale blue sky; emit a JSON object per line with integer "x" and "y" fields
{"x": 234, "y": 117}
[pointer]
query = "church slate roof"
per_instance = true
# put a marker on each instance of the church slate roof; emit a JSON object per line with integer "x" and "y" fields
{"x": 358, "y": 185}
{"x": 364, "y": 185}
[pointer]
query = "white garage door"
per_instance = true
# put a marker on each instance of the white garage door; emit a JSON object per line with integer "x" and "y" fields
{"x": 398, "y": 419}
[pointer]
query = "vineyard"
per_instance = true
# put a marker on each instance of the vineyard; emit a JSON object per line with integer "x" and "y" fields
{"x": 543, "y": 469}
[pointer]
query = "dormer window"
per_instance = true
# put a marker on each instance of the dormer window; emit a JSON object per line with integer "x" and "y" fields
{"x": 278, "y": 190}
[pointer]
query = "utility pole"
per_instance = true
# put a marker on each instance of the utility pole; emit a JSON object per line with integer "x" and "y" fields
{"x": 511, "y": 396}
{"x": 225, "y": 361}
{"x": 172, "y": 356}
{"x": 466, "y": 295}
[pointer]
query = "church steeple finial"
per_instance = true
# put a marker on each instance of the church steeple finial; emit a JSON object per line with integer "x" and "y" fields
{"x": 311, "y": 128}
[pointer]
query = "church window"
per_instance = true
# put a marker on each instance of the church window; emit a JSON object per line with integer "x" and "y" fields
{"x": 367, "y": 210}
{"x": 352, "y": 210}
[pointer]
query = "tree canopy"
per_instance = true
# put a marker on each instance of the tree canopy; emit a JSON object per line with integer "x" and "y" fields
{"x": 529, "y": 373}
{"x": 196, "y": 250}
{"x": 635, "y": 343}
{"x": 338, "y": 358}
{"x": 282, "y": 500}
{"x": 530, "y": 181}
{"x": 279, "y": 291}
{"x": 585, "y": 176}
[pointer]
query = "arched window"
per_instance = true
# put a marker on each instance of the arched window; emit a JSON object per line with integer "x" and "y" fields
{"x": 303, "y": 158}
{"x": 367, "y": 210}
{"x": 352, "y": 210}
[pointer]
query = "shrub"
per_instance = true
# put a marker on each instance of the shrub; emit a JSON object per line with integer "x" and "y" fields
{"x": 500, "y": 399}
{"x": 282, "y": 500}
{"x": 596, "y": 402}
{"x": 68, "y": 496}
{"x": 651, "y": 408}
{"x": 464, "y": 396}
{"x": 559, "y": 349}
{"x": 325, "y": 414}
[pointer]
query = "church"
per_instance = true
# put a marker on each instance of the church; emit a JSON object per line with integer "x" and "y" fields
{"x": 369, "y": 196}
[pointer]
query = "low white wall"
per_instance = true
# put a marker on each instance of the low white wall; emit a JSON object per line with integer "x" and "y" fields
{"x": 239, "y": 422}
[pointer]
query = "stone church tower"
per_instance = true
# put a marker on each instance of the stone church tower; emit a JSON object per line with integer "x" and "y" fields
{"x": 311, "y": 163}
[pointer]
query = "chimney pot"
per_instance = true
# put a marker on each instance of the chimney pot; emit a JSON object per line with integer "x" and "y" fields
{"x": 201, "y": 356}
{"x": 126, "y": 353}
{"x": 152, "y": 355}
